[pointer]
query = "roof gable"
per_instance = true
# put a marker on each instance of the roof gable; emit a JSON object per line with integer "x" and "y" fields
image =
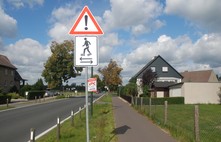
{"x": 4, "y": 61}
{"x": 158, "y": 62}
{"x": 199, "y": 76}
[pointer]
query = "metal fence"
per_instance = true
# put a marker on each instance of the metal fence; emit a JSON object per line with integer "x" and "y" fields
{"x": 187, "y": 123}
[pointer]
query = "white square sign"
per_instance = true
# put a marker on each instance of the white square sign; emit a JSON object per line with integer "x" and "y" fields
{"x": 86, "y": 51}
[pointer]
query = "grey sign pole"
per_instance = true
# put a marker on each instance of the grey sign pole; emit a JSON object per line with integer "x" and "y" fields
{"x": 86, "y": 99}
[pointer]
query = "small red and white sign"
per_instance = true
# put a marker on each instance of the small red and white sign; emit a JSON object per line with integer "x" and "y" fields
{"x": 92, "y": 84}
{"x": 86, "y": 24}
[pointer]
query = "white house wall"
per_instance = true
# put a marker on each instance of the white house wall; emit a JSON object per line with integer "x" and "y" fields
{"x": 175, "y": 92}
{"x": 160, "y": 94}
{"x": 201, "y": 93}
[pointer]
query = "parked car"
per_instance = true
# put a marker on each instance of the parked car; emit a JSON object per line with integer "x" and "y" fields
{"x": 51, "y": 93}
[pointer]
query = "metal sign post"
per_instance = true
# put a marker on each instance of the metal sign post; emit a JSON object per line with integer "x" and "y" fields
{"x": 86, "y": 100}
{"x": 86, "y": 47}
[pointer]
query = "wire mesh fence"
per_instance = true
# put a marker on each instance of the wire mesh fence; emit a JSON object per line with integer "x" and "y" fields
{"x": 188, "y": 123}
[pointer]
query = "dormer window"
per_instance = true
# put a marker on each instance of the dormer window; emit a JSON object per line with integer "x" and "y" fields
{"x": 153, "y": 69}
{"x": 164, "y": 69}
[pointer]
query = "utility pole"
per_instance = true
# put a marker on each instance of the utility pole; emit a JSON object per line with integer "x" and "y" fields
{"x": 92, "y": 93}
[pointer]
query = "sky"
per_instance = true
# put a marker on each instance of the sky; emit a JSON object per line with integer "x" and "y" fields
{"x": 186, "y": 33}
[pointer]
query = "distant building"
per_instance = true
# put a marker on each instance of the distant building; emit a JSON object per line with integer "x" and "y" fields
{"x": 166, "y": 76}
{"x": 197, "y": 87}
{"x": 199, "y": 76}
{"x": 9, "y": 77}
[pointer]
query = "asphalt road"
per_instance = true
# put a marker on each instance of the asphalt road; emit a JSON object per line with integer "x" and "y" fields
{"x": 15, "y": 124}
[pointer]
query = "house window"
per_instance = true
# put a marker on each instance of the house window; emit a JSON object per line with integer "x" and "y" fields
{"x": 165, "y": 69}
{"x": 12, "y": 73}
{"x": 153, "y": 69}
{"x": 6, "y": 71}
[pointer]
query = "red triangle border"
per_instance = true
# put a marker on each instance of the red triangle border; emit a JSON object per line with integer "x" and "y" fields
{"x": 73, "y": 32}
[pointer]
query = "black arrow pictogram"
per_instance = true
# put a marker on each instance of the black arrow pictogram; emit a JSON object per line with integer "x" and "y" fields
{"x": 86, "y": 60}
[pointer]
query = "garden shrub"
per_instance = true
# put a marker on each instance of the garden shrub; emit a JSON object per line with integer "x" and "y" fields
{"x": 35, "y": 94}
{"x": 3, "y": 99}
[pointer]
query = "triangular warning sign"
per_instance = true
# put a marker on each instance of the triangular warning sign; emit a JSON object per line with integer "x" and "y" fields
{"x": 86, "y": 24}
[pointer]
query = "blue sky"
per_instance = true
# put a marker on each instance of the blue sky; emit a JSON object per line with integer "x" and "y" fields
{"x": 186, "y": 33}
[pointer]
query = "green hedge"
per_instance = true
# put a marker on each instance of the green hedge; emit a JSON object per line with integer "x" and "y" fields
{"x": 160, "y": 101}
{"x": 3, "y": 99}
{"x": 35, "y": 94}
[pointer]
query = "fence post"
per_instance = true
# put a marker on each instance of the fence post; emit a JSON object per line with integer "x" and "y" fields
{"x": 58, "y": 129}
{"x": 196, "y": 123}
{"x": 32, "y": 135}
{"x": 7, "y": 101}
{"x": 141, "y": 103}
{"x": 72, "y": 118}
{"x": 80, "y": 112}
{"x": 150, "y": 113}
{"x": 136, "y": 101}
{"x": 132, "y": 100}
{"x": 165, "y": 112}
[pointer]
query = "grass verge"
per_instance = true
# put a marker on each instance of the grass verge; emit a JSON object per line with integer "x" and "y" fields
{"x": 101, "y": 125}
{"x": 180, "y": 121}
{"x": 5, "y": 107}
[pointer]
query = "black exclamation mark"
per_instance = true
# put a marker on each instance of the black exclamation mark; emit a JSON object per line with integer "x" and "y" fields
{"x": 85, "y": 18}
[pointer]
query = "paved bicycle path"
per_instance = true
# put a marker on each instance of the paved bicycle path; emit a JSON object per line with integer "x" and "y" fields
{"x": 133, "y": 127}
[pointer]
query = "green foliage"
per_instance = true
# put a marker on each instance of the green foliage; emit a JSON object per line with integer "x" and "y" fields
{"x": 101, "y": 126}
{"x": 13, "y": 89}
{"x": 24, "y": 89}
{"x": 35, "y": 94}
{"x": 219, "y": 94}
{"x": 14, "y": 95}
{"x": 146, "y": 92}
{"x": 3, "y": 98}
{"x": 111, "y": 75}
{"x": 133, "y": 80}
{"x": 160, "y": 101}
{"x": 59, "y": 66}
{"x": 39, "y": 85}
{"x": 148, "y": 77}
{"x": 130, "y": 89}
{"x": 100, "y": 83}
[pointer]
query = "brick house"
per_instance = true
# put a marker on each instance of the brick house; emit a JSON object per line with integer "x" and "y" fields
{"x": 9, "y": 77}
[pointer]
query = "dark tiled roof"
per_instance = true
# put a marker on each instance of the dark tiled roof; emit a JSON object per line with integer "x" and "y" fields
{"x": 4, "y": 61}
{"x": 163, "y": 84}
{"x": 196, "y": 76}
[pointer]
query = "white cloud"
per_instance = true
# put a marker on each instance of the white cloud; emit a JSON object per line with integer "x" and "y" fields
{"x": 23, "y": 3}
{"x": 180, "y": 52}
{"x": 28, "y": 56}
{"x": 137, "y": 16}
{"x": 62, "y": 20}
{"x": 8, "y": 25}
{"x": 204, "y": 13}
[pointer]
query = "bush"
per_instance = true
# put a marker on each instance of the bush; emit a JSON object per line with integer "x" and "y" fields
{"x": 3, "y": 99}
{"x": 14, "y": 95}
{"x": 160, "y": 101}
{"x": 35, "y": 94}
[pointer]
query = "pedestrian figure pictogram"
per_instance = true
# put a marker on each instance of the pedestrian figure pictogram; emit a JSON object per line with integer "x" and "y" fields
{"x": 86, "y": 43}
{"x": 86, "y": 51}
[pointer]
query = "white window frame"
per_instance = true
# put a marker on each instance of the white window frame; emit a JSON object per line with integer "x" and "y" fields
{"x": 164, "y": 69}
{"x": 153, "y": 69}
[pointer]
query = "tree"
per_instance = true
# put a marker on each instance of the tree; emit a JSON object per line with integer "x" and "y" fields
{"x": 149, "y": 77}
{"x": 39, "y": 85}
{"x": 59, "y": 66}
{"x": 100, "y": 83}
{"x": 111, "y": 75}
{"x": 219, "y": 94}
